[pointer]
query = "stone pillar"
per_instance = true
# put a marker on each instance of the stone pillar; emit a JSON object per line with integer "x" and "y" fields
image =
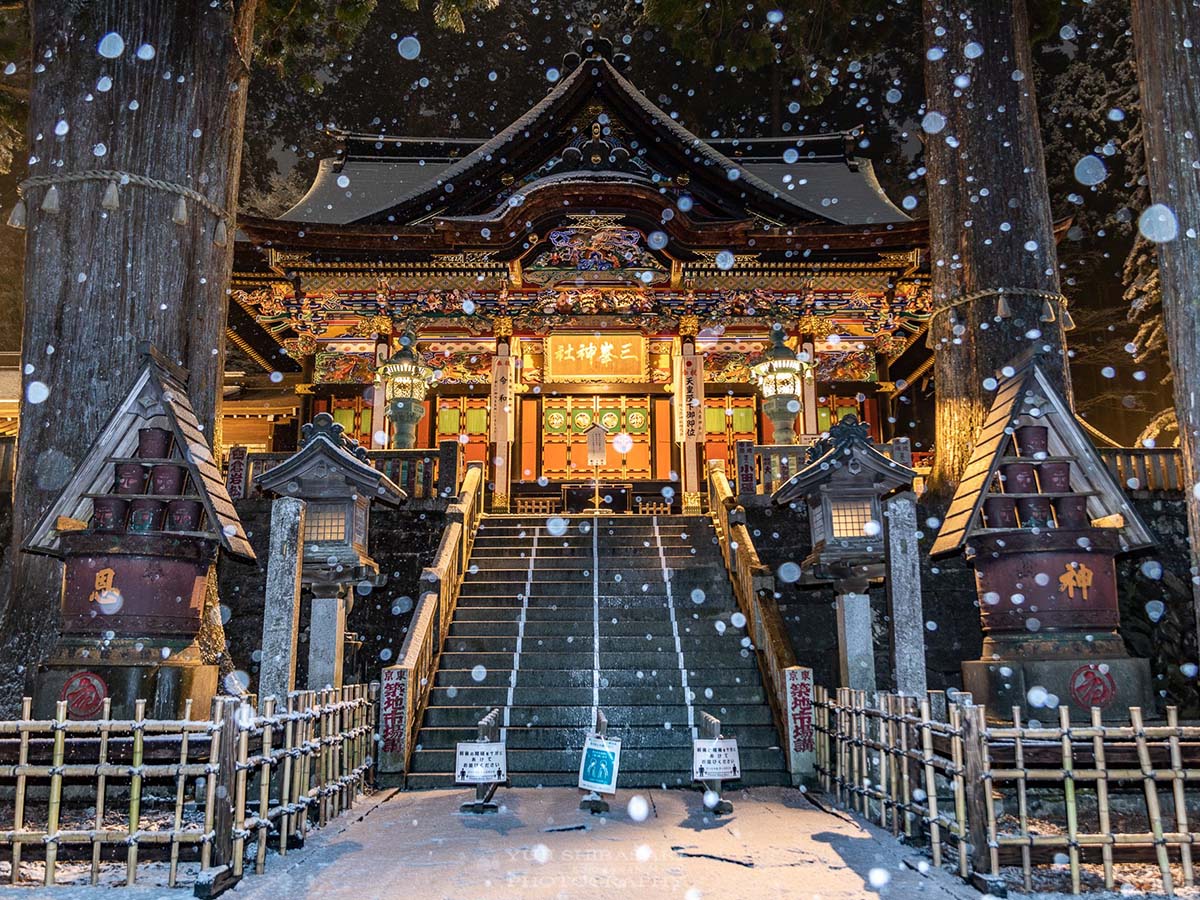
{"x": 856, "y": 645}
{"x": 782, "y": 410}
{"x": 903, "y": 581}
{"x": 500, "y": 418}
{"x": 281, "y": 608}
{"x": 448, "y": 461}
{"x": 326, "y": 636}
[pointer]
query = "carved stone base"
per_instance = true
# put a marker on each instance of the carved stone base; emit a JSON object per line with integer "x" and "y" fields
{"x": 1113, "y": 684}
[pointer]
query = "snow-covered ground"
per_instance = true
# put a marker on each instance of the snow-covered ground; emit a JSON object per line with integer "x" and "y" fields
{"x": 540, "y": 845}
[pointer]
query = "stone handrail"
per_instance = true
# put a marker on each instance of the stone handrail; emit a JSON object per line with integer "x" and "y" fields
{"x": 406, "y": 685}
{"x": 789, "y": 686}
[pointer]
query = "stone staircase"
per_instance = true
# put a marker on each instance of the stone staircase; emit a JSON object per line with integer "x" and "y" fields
{"x": 632, "y": 613}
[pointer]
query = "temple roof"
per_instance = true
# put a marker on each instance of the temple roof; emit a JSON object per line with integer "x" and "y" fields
{"x": 596, "y": 125}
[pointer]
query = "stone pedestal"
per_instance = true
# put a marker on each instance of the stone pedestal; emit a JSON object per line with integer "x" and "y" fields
{"x": 327, "y": 636}
{"x": 856, "y": 649}
{"x": 1048, "y": 605}
{"x": 780, "y": 411}
{"x": 405, "y": 414}
{"x": 86, "y": 671}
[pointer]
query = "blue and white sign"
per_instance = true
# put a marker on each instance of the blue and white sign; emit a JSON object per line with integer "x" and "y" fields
{"x": 599, "y": 765}
{"x": 716, "y": 760}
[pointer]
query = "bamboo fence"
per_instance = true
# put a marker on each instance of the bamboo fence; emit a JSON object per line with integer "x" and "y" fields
{"x": 966, "y": 787}
{"x": 218, "y": 791}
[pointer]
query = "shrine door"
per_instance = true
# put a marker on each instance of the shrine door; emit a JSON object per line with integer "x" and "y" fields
{"x": 565, "y": 421}
{"x": 464, "y": 419}
{"x": 728, "y": 420}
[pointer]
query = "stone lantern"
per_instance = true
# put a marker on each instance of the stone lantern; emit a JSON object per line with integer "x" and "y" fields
{"x": 854, "y": 494}
{"x": 331, "y": 474}
{"x": 780, "y": 378}
{"x": 405, "y": 379}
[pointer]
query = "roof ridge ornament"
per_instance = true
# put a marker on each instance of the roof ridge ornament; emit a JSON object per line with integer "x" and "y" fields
{"x": 595, "y": 47}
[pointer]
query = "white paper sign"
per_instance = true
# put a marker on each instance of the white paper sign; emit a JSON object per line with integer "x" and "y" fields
{"x": 596, "y": 438}
{"x": 479, "y": 763}
{"x": 599, "y": 764}
{"x": 716, "y": 760}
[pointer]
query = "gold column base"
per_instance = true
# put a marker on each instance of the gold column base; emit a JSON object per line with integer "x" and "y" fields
{"x": 691, "y": 503}
{"x": 499, "y": 503}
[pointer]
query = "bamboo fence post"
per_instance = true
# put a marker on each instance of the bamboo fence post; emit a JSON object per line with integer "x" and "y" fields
{"x": 135, "y": 791}
{"x": 1177, "y": 788}
{"x": 1152, "y": 805}
{"x": 931, "y": 802}
{"x": 971, "y": 794}
{"x": 216, "y": 717}
{"x": 1106, "y": 848}
{"x": 843, "y": 746}
{"x": 226, "y": 780}
{"x": 19, "y": 799}
{"x": 887, "y": 760}
{"x": 101, "y": 785}
{"x": 1072, "y": 809}
{"x": 180, "y": 781}
{"x": 906, "y": 773}
{"x": 1022, "y": 798}
{"x": 286, "y": 795}
{"x": 264, "y": 789}
{"x": 304, "y": 795}
{"x": 239, "y": 797}
{"x": 55, "y": 807}
{"x": 821, "y": 698}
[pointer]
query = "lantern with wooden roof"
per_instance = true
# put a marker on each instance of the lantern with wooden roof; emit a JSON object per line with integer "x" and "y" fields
{"x": 1042, "y": 519}
{"x": 843, "y": 485}
{"x": 332, "y": 475}
{"x": 138, "y": 527}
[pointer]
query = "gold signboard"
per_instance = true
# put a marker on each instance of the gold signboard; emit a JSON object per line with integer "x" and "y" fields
{"x": 612, "y": 357}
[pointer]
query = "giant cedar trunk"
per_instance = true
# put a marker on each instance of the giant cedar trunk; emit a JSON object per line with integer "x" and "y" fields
{"x": 1166, "y": 36}
{"x": 990, "y": 223}
{"x": 97, "y": 282}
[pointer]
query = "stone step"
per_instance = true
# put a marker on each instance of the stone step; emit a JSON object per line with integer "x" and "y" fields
{"x": 582, "y": 628}
{"x": 574, "y": 660}
{"x": 521, "y": 737}
{"x": 668, "y": 690}
{"x": 627, "y": 781}
{"x": 649, "y": 561}
{"x": 579, "y": 607}
{"x": 730, "y": 642}
{"x": 669, "y": 761}
{"x": 496, "y": 676}
{"x": 676, "y": 714}
{"x": 650, "y": 611}
{"x": 681, "y": 587}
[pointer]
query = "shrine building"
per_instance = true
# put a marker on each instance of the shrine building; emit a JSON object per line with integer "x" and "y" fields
{"x": 594, "y": 262}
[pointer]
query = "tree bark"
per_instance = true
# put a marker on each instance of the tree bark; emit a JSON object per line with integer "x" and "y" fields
{"x": 1166, "y": 36}
{"x": 171, "y": 106}
{"x": 990, "y": 221}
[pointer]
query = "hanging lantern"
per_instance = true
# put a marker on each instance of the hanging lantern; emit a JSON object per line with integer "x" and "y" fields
{"x": 405, "y": 379}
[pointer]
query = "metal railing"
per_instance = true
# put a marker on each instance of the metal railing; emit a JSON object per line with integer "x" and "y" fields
{"x": 201, "y": 792}
{"x": 754, "y": 589}
{"x": 406, "y": 685}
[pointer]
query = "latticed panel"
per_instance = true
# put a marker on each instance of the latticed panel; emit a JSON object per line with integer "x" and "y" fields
{"x": 325, "y": 523}
{"x": 850, "y": 517}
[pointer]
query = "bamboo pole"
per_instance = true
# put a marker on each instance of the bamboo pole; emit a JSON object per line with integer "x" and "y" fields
{"x": 1177, "y": 787}
{"x": 1152, "y": 805}
{"x": 960, "y": 787}
{"x": 239, "y": 800}
{"x": 55, "y": 808}
{"x": 1022, "y": 799}
{"x": 101, "y": 784}
{"x": 1068, "y": 779}
{"x": 180, "y": 784}
{"x": 210, "y": 784}
{"x": 1102, "y": 809}
{"x": 935, "y": 828}
{"x": 19, "y": 799}
{"x": 135, "y": 792}
{"x": 286, "y": 794}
